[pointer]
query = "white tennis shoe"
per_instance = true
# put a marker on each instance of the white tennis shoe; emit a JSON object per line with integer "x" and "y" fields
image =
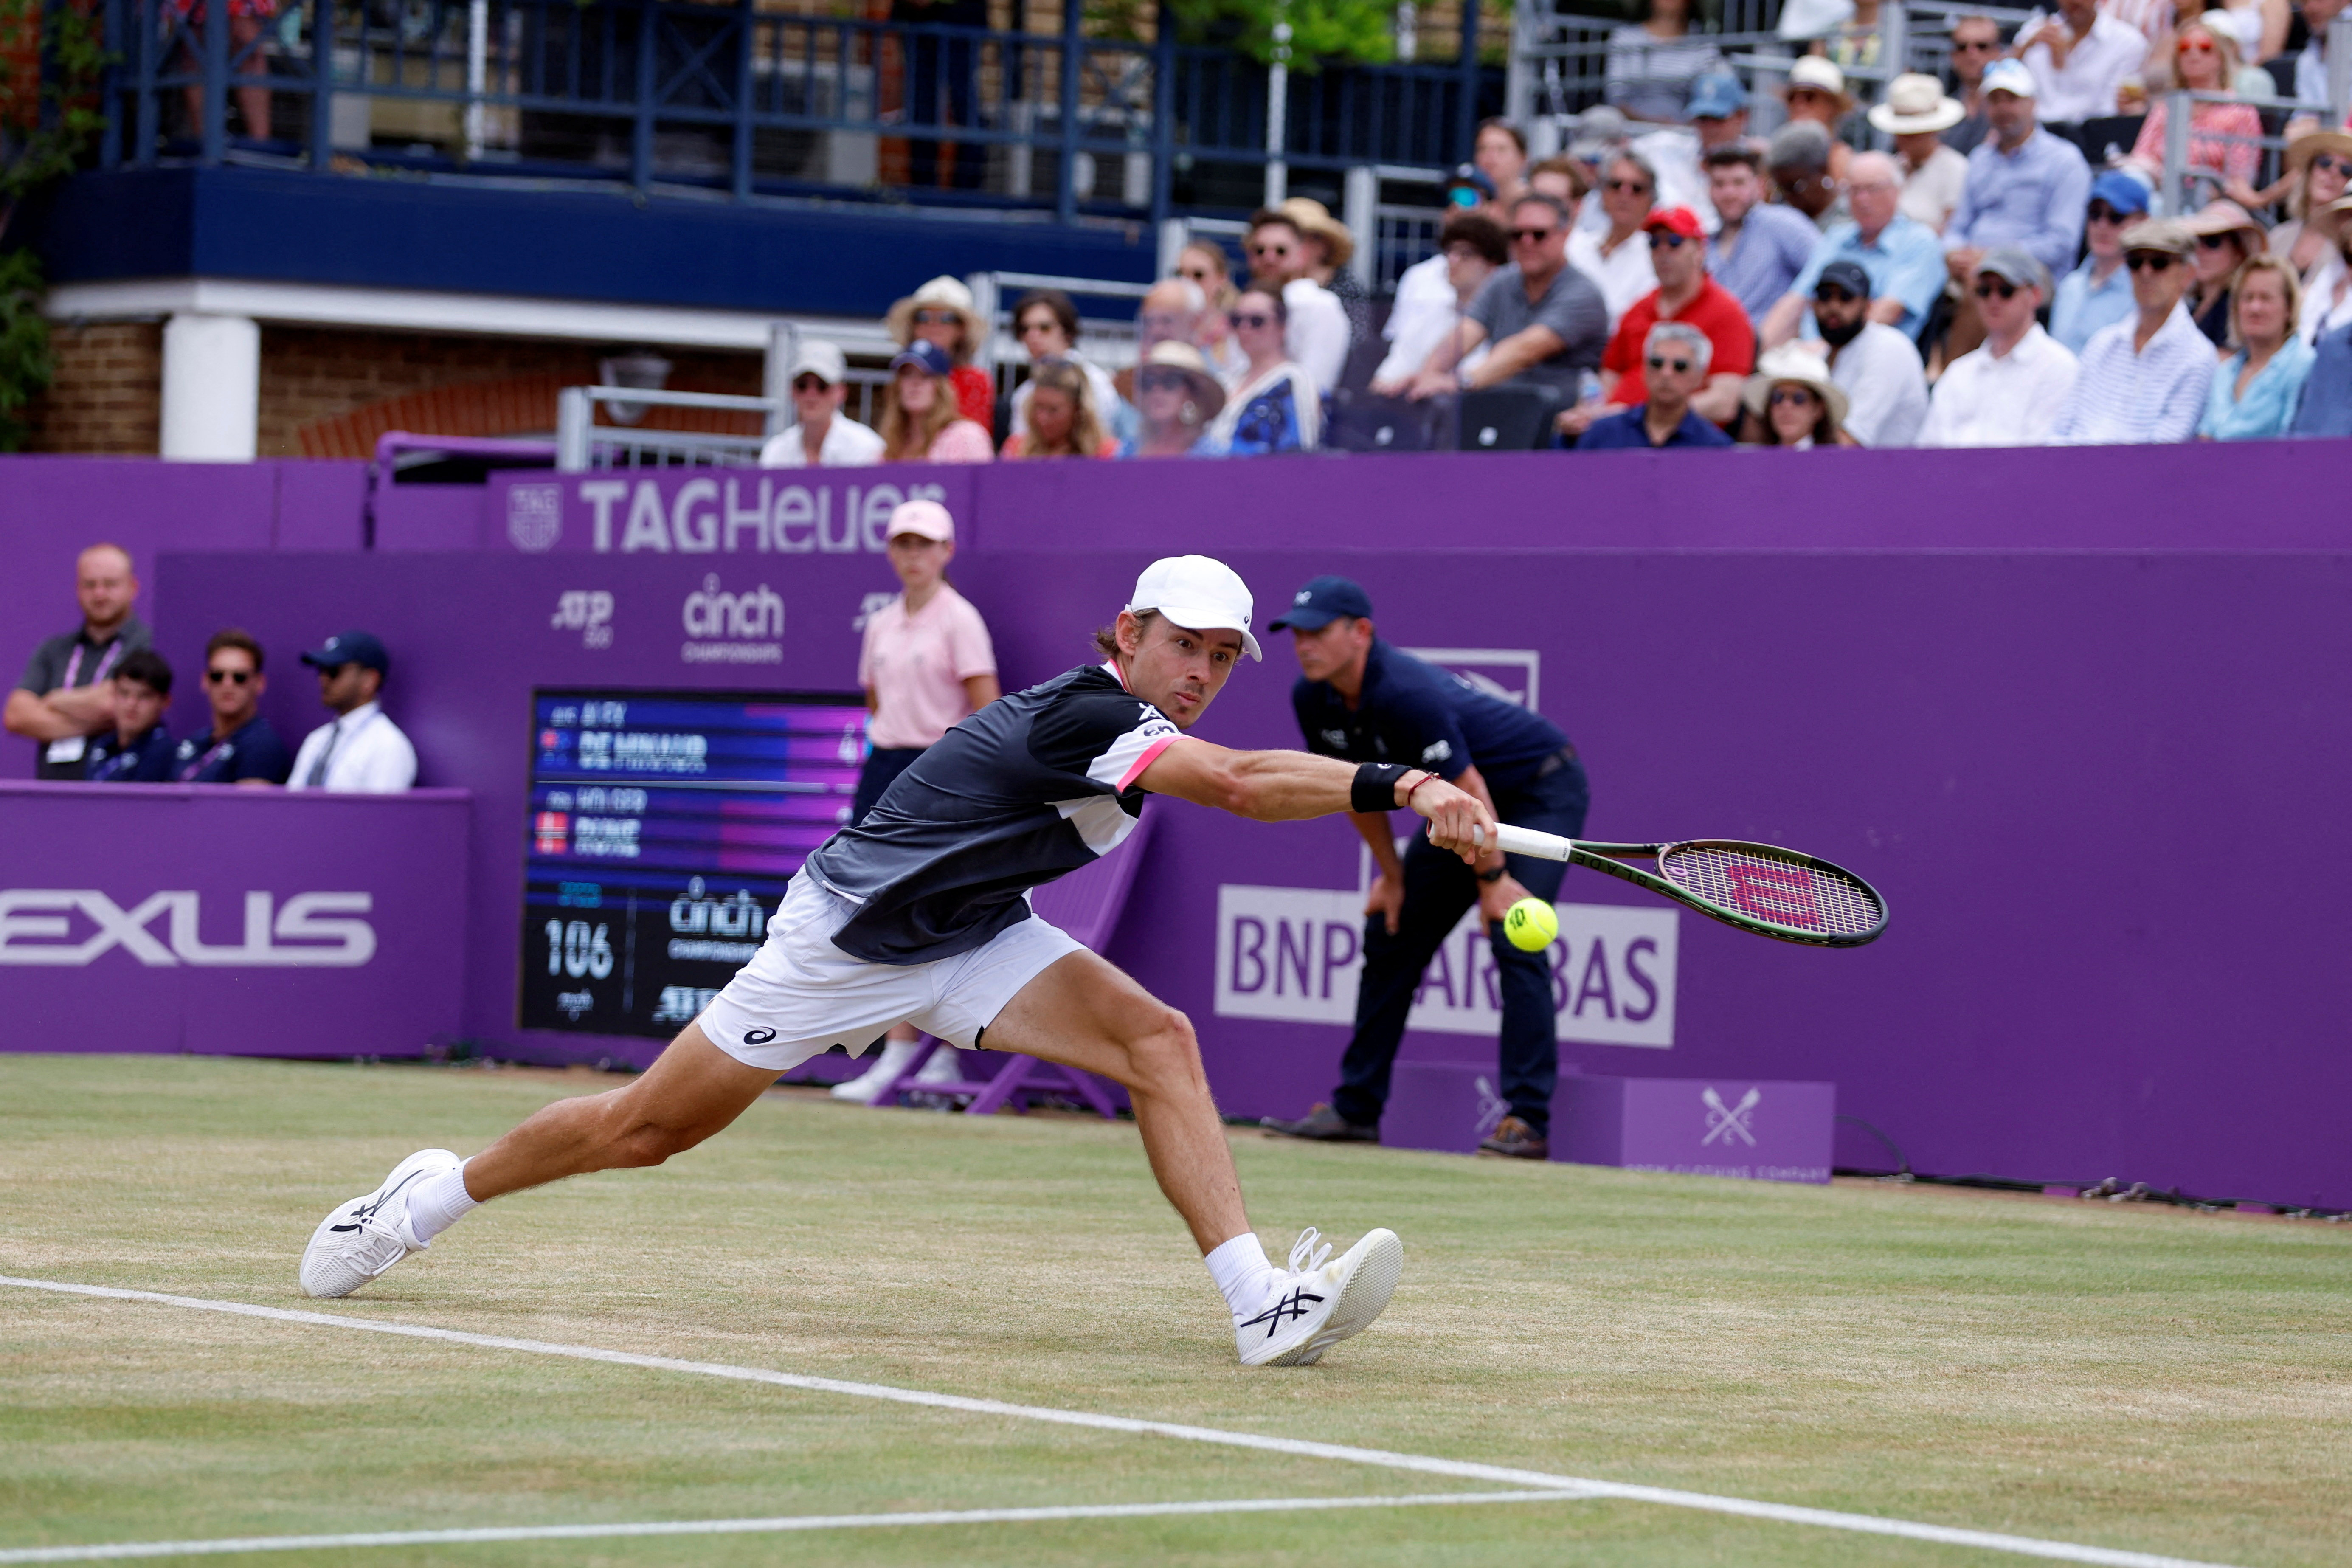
{"x": 368, "y": 1235}
{"x": 1312, "y": 1305}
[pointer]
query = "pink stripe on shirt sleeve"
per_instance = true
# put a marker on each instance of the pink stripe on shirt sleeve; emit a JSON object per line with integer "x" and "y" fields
{"x": 1142, "y": 764}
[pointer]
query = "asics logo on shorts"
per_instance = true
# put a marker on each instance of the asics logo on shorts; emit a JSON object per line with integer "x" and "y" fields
{"x": 758, "y": 1036}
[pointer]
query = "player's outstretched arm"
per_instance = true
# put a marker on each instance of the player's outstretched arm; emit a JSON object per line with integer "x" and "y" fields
{"x": 1289, "y": 786}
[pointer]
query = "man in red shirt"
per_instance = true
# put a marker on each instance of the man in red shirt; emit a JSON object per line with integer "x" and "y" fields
{"x": 1684, "y": 293}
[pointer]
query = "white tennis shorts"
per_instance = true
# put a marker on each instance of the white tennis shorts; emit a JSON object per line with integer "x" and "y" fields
{"x": 801, "y": 996}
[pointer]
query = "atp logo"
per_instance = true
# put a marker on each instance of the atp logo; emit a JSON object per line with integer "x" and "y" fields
{"x": 309, "y": 930}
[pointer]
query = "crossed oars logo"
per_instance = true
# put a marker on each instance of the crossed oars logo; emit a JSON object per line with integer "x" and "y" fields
{"x": 1729, "y": 1122}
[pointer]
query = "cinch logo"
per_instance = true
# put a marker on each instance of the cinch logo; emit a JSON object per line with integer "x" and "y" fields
{"x": 36, "y": 927}
{"x": 733, "y": 628}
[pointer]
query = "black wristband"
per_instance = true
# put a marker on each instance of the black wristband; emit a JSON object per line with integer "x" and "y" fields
{"x": 1375, "y": 788}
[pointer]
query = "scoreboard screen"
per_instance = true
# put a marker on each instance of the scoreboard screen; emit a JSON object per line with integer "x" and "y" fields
{"x": 663, "y": 827}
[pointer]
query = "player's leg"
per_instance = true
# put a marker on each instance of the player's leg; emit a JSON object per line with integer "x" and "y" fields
{"x": 1437, "y": 888}
{"x": 1082, "y": 1012}
{"x": 1529, "y": 1046}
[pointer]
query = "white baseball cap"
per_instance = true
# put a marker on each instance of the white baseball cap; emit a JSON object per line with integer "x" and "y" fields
{"x": 820, "y": 359}
{"x": 2007, "y": 76}
{"x": 1197, "y": 592}
{"x": 924, "y": 520}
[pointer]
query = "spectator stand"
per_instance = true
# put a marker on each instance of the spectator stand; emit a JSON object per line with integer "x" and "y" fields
{"x": 1086, "y": 905}
{"x": 1107, "y": 341}
{"x": 1393, "y": 210}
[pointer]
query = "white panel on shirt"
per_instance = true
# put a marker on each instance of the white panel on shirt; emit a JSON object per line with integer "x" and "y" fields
{"x": 1102, "y": 823}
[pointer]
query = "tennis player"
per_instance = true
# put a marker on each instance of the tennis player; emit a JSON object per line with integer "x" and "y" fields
{"x": 920, "y": 914}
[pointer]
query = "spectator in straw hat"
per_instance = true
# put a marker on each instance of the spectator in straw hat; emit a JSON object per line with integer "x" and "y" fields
{"x": 1816, "y": 92}
{"x": 2144, "y": 379}
{"x": 2319, "y": 168}
{"x": 941, "y": 313}
{"x": 1791, "y": 401}
{"x": 2008, "y": 391}
{"x": 1281, "y": 259}
{"x": 821, "y": 436}
{"x": 2226, "y": 235}
{"x": 1177, "y": 399}
{"x": 1917, "y": 114}
{"x": 2328, "y": 287}
{"x": 2255, "y": 391}
{"x": 1329, "y": 248}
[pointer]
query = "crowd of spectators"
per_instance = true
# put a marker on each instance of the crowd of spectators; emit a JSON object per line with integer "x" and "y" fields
{"x": 1981, "y": 282}
{"x": 95, "y": 699}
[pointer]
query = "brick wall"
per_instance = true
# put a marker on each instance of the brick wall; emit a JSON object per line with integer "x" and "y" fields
{"x": 108, "y": 394}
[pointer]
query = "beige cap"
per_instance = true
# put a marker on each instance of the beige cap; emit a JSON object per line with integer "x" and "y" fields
{"x": 924, "y": 520}
{"x": 2168, "y": 234}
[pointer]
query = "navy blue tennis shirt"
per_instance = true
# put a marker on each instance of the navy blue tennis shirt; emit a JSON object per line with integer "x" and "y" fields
{"x": 1411, "y": 712}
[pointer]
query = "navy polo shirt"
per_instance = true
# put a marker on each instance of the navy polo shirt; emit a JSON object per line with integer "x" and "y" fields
{"x": 1414, "y": 713}
{"x": 146, "y": 759}
{"x": 1621, "y": 430}
{"x": 252, "y": 751}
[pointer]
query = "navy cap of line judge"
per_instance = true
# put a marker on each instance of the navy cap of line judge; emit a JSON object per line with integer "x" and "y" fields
{"x": 1322, "y": 600}
{"x": 350, "y": 647}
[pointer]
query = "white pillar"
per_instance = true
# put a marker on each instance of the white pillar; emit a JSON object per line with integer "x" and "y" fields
{"x": 211, "y": 388}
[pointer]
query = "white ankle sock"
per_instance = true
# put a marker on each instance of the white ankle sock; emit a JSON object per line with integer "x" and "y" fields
{"x": 435, "y": 1202}
{"x": 1242, "y": 1272}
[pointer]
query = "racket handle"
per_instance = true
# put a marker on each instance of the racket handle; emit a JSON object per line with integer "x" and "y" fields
{"x": 1528, "y": 842}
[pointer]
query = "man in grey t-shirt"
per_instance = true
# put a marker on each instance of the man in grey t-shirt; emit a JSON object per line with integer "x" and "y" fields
{"x": 65, "y": 696}
{"x": 1547, "y": 320}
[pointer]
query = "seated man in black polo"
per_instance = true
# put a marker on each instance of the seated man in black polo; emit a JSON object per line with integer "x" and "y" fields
{"x": 240, "y": 748}
{"x": 1363, "y": 700}
{"x": 137, "y": 750}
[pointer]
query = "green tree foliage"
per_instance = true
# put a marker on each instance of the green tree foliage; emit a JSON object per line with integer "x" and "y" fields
{"x": 50, "y": 56}
{"x": 1322, "y": 32}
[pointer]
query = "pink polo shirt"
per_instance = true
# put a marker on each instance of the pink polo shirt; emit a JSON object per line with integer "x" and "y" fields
{"x": 917, "y": 666}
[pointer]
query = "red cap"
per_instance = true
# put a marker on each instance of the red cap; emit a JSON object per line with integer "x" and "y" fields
{"x": 1682, "y": 220}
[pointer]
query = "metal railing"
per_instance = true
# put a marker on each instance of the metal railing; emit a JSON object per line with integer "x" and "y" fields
{"x": 582, "y": 444}
{"x": 732, "y": 96}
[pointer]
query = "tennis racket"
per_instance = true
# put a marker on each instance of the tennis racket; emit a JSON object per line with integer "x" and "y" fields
{"x": 1757, "y": 888}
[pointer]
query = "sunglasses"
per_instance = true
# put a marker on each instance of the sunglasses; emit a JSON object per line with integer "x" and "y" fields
{"x": 239, "y": 676}
{"x": 1679, "y": 367}
{"x": 2332, "y": 164}
{"x": 1668, "y": 238}
{"x": 2195, "y": 47}
{"x": 1630, "y": 187}
{"x": 2102, "y": 213}
{"x": 1251, "y": 320}
{"x": 1989, "y": 287}
{"x": 937, "y": 319}
{"x": 1532, "y": 236}
{"x": 1160, "y": 381}
{"x": 809, "y": 384}
{"x": 2154, "y": 262}
{"x": 1796, "y": 396}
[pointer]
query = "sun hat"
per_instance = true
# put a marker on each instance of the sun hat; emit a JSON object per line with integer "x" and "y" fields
{"x": 1204, "y": 386}
{"x": 2222, "y": 215}
{"x": 1821, "y": 75}
{"x": 939, "y": 293}
{"x": 1312, "y": 217}
{"x": 2303, "y": 149}
{"x": 924, "y": 520}
{"x": 1914, "y": 103}
{"x": 2007, "y": 76}
{"x": 1197, "y": 594}
{"x": 1790, "y": 363}
{"x": 2167, "y": 235}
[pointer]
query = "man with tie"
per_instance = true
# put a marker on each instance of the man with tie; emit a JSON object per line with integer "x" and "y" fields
{"x": 362, "y": 751}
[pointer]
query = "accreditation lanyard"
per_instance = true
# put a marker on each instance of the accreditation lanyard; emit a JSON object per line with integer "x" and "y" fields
{"x": 105, "y": 663}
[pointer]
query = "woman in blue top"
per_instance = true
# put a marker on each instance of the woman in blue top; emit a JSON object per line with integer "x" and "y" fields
{"x": 2256, "y": 389}
{"x": 1272, "y": 407}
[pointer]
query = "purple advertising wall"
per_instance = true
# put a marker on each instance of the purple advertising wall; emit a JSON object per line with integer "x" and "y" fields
{"x": 219, "y": 920}
{"x": 2048, "y": 760}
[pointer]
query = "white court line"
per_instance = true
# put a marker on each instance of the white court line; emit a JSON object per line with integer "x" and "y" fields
{"x": 1785, "y": 1513}
{"x": 749, "y": 1526}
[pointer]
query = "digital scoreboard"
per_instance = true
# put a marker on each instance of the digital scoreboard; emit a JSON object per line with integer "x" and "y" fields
{"x": 663, "y": 827}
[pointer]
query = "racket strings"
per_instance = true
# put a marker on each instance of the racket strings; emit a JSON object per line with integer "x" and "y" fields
{"x": 1786, "y": 892}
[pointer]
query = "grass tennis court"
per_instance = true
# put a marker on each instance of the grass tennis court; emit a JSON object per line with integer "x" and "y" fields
{"x": 2157, "y": 1382}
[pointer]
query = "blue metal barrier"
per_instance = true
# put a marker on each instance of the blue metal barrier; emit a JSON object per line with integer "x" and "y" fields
{"x": 726, "y": 96}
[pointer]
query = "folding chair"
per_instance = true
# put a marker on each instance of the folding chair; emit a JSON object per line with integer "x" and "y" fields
{"x": 1087, "y": 904}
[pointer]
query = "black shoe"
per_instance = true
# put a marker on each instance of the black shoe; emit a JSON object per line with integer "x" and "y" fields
{"x": 1514, "y": 1139}
{"x": 1324, "y": 1125}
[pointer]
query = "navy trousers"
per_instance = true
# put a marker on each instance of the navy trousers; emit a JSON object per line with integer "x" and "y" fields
{"x": 1438, "y": 890}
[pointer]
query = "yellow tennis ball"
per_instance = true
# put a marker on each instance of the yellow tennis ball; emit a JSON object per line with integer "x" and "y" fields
{"x": 1531, "y": 925}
